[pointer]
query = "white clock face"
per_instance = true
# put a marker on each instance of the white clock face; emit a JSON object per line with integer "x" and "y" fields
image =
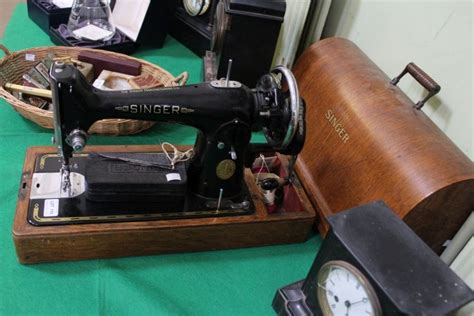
{"x": 344, "y": 290}
{"x": 196, "y": 7}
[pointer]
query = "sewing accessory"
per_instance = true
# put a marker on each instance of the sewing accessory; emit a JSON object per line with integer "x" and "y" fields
{"x": 268, "y": 187}
{"x": 267, "y": 182}
{"x": 113, "y": 81}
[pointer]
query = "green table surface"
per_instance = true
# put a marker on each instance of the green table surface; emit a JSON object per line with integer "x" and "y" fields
{"x": 230, "y": 282}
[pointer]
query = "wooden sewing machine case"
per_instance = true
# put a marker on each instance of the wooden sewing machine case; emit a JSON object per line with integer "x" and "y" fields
{"x": 366, "y": 141}
{"x": 293, "y": 222}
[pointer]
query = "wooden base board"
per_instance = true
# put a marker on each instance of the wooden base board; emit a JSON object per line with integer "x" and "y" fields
{"x": 108, "y": 240}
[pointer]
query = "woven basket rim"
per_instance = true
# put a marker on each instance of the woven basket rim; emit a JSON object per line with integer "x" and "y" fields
{"x": 14, "y": 102}
{"x": 11, "y": 55}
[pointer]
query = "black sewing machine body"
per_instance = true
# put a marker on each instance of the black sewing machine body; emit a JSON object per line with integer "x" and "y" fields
{"x": 225, "y": 114}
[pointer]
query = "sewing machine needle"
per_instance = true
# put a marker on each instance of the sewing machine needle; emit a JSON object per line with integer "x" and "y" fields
{"x": 227, "y": 77}
{"x": 220, "y": 199}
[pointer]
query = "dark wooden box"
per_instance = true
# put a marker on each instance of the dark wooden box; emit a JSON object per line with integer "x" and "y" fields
{"x": 46, "y": 18}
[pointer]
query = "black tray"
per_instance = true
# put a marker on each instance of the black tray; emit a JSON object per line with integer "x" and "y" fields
{"x": 125, "y": 46}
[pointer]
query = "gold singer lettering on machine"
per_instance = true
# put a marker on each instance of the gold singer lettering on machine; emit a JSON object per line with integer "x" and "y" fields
{"x": 154, "y": 109}
{"x": 338, "y": 127}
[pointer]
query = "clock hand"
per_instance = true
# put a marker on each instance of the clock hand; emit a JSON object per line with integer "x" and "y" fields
{"x": 364, "y": 300}
{"x": 348, "y": 305}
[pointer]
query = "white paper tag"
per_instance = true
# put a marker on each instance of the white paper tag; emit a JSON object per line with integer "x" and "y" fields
{"x": 99, "y": 83}
{"x": 173, "y": 177}
{"x": 63, "y": 3}
{"x": 30, "y": 57}
{"x": 92, "y": 32}
{"x": 51, "y": 207}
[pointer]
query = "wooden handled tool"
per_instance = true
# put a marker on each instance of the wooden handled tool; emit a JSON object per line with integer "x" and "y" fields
{"x": 45, "y": 93}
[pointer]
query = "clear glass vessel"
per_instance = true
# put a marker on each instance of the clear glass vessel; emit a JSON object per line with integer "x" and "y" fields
{"x": 91, "y": 20}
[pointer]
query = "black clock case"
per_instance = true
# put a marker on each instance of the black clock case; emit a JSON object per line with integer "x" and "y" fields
{"x": 250, "y": 38}
{"x": 408, "y": 277}
{"x": 194, "y": 32}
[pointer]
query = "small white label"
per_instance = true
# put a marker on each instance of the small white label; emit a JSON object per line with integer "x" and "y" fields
{"x": 51, "y": 207}
{"x": 92, "y": 32}
{"x": 99, "y": 83}
{"x": 63, "y": 3}
{"x": 30, "y": 57}
{"x": 173, "y": 177}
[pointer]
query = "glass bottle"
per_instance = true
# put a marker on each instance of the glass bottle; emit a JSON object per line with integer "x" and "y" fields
{"x": 91, "y": 20}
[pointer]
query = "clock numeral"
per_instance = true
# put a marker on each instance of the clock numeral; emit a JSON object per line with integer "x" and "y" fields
{"x": 358, "y": 286}
{"x": 333, "y": 306}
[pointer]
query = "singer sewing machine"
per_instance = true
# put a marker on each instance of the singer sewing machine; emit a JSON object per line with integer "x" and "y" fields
{"x": 196, "y": 199}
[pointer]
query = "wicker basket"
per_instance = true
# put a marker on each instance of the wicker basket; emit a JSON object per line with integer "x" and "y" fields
{"x": 14, "y": 65}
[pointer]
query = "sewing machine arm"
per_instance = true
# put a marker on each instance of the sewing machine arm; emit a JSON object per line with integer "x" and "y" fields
{"x": 225, "y": 113}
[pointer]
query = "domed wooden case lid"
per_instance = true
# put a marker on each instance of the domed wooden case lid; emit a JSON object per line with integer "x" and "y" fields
{"x": 366, "y": 140}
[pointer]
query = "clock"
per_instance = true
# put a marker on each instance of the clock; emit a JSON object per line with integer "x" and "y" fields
{"x": 344, "y": 290}
{"x": 372, "y": 263}
{"x": 196, "y": 7}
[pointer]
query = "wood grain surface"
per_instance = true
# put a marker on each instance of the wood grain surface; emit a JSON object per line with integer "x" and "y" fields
{"x": 366, "y": 141}
{"x": 107, "y": 240}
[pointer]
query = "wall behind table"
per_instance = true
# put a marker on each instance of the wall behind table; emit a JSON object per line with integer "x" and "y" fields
{"x": 435, "y": 34}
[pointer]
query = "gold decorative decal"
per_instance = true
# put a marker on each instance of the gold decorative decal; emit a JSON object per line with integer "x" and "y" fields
{"x": 225, "y": 169}
{"x": 109, "y": 218}
{"x": 43, "y": 158}
{"x": 337, "y": 125}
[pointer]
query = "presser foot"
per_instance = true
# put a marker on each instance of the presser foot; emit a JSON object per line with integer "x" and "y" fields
{"x": 66, "y": 180}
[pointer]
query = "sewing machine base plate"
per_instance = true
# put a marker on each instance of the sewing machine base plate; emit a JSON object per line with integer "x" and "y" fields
{"x": 46, "y": 208}
{"x": 50, "y": 243}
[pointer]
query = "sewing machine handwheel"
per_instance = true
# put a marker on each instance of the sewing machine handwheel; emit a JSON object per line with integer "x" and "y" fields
{"x": 287, "y": 101}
